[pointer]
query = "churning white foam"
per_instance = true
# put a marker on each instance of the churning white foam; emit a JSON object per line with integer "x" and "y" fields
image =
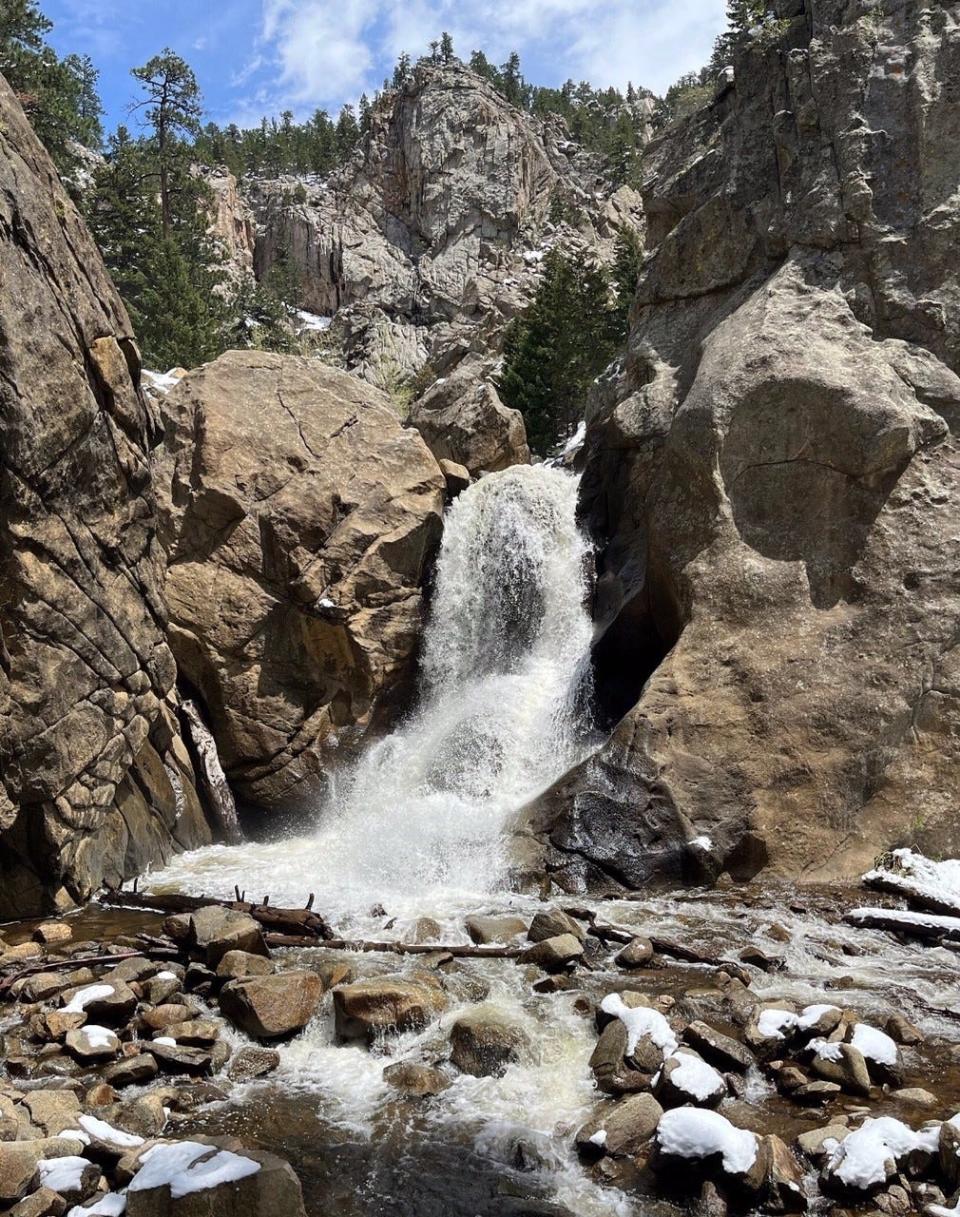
{"x": 503, "y": 711}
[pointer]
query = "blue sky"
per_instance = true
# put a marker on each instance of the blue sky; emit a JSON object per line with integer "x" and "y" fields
{"x": 255, "y": 57}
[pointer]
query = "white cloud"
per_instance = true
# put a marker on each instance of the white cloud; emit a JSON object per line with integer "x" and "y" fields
{"x": 327, "y": 51}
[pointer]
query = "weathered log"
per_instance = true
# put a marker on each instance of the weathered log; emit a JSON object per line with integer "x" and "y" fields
{"x": 915, "y": 894}
{"x": 928, "y": 927}
{"x": 220, "y": 796}
{"x": 302, "y": 922}
{"x": 454, "y": 950}
{"x": 65, "y": 965}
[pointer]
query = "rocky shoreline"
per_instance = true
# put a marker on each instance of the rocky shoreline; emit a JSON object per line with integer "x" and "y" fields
{"x": 716, "y": 1087}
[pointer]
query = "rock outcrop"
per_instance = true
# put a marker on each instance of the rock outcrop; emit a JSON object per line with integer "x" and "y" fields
{"x": 773, "y": 472}
{"x": 96, "y": 782}
{"x": 299, "y": 518}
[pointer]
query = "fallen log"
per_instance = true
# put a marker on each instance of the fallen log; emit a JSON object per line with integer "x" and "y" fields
{"x": 913, "y": 891}
{"x": 454, "y": 950}
{"x": 303, "y": 922}
{"x": 928, "y": 927}
{"x": 65, "y": 965}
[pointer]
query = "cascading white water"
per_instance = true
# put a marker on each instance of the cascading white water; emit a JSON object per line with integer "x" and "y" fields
{"x": 419, "y": 821}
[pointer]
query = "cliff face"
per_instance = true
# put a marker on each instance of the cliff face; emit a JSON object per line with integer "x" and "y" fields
{"x": 430, "y": 241}
{"x": 96, "y": 782}
{"x": 773, "y": 471}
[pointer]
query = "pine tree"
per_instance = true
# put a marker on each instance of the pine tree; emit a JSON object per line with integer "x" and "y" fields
{"x": 401, "y": 73}
{"x": 628, "y": 259}
{"x": 347, "y": 134}
{"x": 446, "y": 47}
{"x": 511, "y": 79}
{"x": 172, "y": 110}
{"x": 555, "y": 348}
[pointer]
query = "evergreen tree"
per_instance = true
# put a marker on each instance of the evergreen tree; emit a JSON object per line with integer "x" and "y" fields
{"x": 58, "y": 95}
{"x": 401, "y": 73}
{"x": 446, "y": 47}
{"x": 511, "y": 80}
{"x": 347, "y": 134}
{"x": 172, "y": 111}
{"x": 628, "y": 259}
{"x": 555, "y": 348}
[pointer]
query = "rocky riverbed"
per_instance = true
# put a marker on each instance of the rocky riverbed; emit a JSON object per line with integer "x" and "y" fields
{"x": 720, "y": 1051}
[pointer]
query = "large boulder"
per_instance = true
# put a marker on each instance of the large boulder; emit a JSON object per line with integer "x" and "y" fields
{"x": 299, "y": 518}
{"x": 462, "y": 419}
{"x": 772, "y": 474}
{"x": 95, "y": 784}
{"x": 196, "y": 1179}
{"x": 272, "y": 1007}
{"x": 382, "y": 1005}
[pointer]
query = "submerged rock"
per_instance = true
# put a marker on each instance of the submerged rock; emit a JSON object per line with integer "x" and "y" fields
{"x": 419, "y": 1081}
{"x": 484, "y": 1042}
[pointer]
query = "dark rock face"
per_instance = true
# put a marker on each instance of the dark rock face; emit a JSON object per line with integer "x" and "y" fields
{"x": 96, "y": 783}
{"x": 773, "y": 471}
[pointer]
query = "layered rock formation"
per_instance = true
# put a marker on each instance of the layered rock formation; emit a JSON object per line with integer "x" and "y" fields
{"x": 774, "y": 472}
{"x": 299, "y": 517}
{"x": 96, "y": 782}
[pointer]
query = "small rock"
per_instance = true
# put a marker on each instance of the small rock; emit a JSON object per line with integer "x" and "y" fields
{"x": 484, "y": 1043}
{"x": 457, "y": 477}
{"x": 164, "y": 1016}
{"x": 253, "y": 1062}
{"x": 778, "y": 933}
{"x": 812, "y": 1143}
{"x": 687, "y": 1079}
{"x": 172, "y": 1058}
{"x": 916, "y": 1096}
{"x": 52, "y": 931}
{"x": 849, "y": 1069}
{"x": 613, "y": 1073}
{"x": 237, "y": 965}
{"x": 195, "y": 1033}
{"x": 760, "y": 959}
{"x": 424, "y": 929}
{"x": 56, "y": 1023}
{"x": 721, "y": 1050}
{"x": 92, "y": 1043}
{"x": 485, "y": 931}
{"x": 18, "y": 1170}
{"x": 902, "y": 1031}
{"x": 272, "y": 1007}
{"x": 555, "y": 954}
{"x": 44, "y": 1202}
{"x": 112, "y": 1008}
{"x": 416, "y": 1080}
{"x": 636, "y": 954}
{"x": 621, "y": 1127}
{"x": 553, "y": 923}
{"x": 816, "y": 1092}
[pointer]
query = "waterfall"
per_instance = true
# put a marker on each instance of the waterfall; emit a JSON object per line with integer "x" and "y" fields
{"x": 419, "y": 819}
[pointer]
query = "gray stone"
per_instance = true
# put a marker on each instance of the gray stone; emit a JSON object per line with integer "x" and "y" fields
{"x": 483, "y": 1042}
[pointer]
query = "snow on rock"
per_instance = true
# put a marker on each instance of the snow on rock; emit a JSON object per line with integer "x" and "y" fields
{"x": 704, "y": 843}
{"x": 111, "y": 1205}
{"x": 692, "y": 1132}
{"x": 875, "y": 1045}
{"x": 599, "y": 1137}
{"x": 811, "y": 1015}
{"x": 695, "y": 1077}
{"x": 311, "y": 323}
{"x": 640, "y": 1022}
{"x": 163, "y": 382}
{"x": 864, "y": 1158}
{"x": 83, "y": 997}
{"x": 188, "y": 1166}
{"x": 772, "y": 1023}
{"x": 63, "y": 1174}
{"x": 918, "y": 876}
{"x": 106, "y": 1132}
{"x": 165, "y": 1039}
{"x": 905, "y": 918}
{"x": 826, "y": 1050}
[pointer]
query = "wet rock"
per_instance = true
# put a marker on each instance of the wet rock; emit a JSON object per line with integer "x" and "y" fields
{"x": 387, "y": 1004}
{"x": 424, "y": 929}
{"x": 760, "y": 959}
{"x": 487, "y": 930}
{"x": 902, "y": 1031}
{"x": 174, "y": 1059}
{"x": 710, "y": 1202}
{"x": 484, "y": 1042}
{"x": 164, "y": 1016}
{"x": 949, "y": 1154}
{"x": 334, "y": 972}
{"x": 214, "y": 931}
{"x": 636, "y": 954}
{"x": 553, "y": 923}
{"x": 555, "y": 954}
{"x": 416, "y": 1080}
{"x": 92, "y": 1043}
{"x": 620, "y": 1127}
{"x": 52, "y": 931}
{"x": 916, "y": 1096}
{"x": 687, "y": 1078}
{"x": 272, "y": 1007}
{"x": 253, "y": 1062}
{"x": 721, "y": 1050}
{"x": 20, "y": 954}
{"x": 144, "y": 1116}
{"x": 612, "y": 1072}
{"x": 237, "y": 965}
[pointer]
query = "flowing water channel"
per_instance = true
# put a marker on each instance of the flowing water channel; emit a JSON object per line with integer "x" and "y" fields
{"x": 419, "y": 827}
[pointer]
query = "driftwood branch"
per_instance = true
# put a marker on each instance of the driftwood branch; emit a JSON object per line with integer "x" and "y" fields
{"x": 300, "y": 922}
{"x": 454, "y": 949}
{"x": 65, "y": 965}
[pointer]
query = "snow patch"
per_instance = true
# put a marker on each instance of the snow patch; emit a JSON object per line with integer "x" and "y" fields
{"x": 691, "y": 1132}
{"x": 311, "y": 323}
{"x": 187, "y": 1166}
{"x": 772, "y": 1023}
{"x": 875, "y": 1045}
{"x": 695, "y": 1077}
{"x": 106, "y": 1132}
{"x": 111, "y": 1205}
{"x": 862, "y": 1158}
{"x": 63, "y": 1174}
{"x": 640, "y": 1022}
{"x": 599, "y": 1137}
{"x": 83, "y": 997}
